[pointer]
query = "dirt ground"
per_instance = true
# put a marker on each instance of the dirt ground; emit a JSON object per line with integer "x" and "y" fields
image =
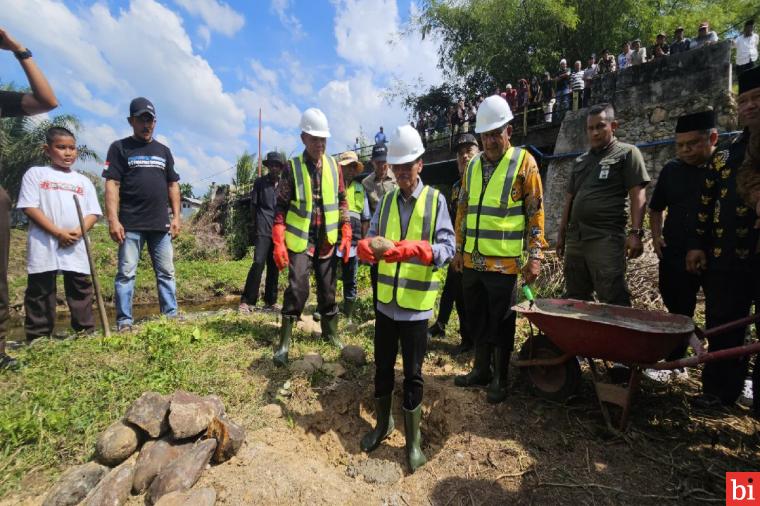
{"x": 524, "y": 451}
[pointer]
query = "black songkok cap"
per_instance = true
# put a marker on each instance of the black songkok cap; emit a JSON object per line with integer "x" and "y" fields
{"x": 749, "y": 80}
{"x": 704, "y": 120}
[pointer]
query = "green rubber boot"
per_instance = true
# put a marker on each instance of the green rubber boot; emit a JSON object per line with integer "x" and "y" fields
{"x": 280, "y": 357}
{"x": 481, "y": 369}
{"x": 384, "y": 425}
{"x": 497, "y": 390}
{"x": 348, "y": 308}
{"x": 414, "y": 454}
{"x": 330, "y": 330}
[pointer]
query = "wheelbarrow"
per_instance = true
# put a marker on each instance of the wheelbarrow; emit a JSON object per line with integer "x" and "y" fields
{"x": 601, "y": 333}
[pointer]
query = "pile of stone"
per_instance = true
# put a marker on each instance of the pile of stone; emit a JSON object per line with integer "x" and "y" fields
{"x": 160, "y": 448}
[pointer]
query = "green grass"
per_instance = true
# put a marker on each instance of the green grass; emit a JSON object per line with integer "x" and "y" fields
{"x": 201, "y": 273}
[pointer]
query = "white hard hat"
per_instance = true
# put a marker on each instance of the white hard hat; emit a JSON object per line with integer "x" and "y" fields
{"x": 405, "y": 145}
{"x": 314, "y": 122}
{"x": 493, "y": 113}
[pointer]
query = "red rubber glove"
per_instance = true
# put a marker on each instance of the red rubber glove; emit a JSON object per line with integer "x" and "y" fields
{"x": 345, "y": 241}
{"x": 280, "y": 251}
{"x": 365, "y": 252}
{"x": 405, "y": 250}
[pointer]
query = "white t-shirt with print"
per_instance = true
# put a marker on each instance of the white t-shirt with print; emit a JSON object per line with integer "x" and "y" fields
{"x": 51, "y": 190}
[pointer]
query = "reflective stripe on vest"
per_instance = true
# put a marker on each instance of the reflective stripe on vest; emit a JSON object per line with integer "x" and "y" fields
{"x": 298, "y": 219}
{"x": 495, "y": 223}
{"x": 355, "y": 199}
{"x": 414, "y": 286}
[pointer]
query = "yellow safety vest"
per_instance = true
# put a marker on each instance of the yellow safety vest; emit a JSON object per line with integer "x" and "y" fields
{"x": 298, "y": 219}
{"x": 355, "y": 199}
{"x": 495, "y": 223}
{"x": 413, "y": 285}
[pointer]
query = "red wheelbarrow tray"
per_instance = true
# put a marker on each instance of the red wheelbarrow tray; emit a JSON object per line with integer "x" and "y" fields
{"x": 608, "y": 332}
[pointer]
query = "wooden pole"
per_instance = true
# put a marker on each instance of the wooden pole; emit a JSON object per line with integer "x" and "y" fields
{"x": 259, "y": 141}
{"x": 93, "y": 274}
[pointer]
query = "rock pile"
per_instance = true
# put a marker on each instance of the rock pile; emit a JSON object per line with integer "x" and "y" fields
{"x": 160, "y": 448}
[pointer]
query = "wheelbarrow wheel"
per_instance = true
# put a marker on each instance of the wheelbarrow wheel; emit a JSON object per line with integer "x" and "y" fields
{"x": 553, "y": 382}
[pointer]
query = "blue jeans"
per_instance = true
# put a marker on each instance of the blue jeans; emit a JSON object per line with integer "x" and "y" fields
{"x": 349, "y": 277}
{"x": 161, "y": 255}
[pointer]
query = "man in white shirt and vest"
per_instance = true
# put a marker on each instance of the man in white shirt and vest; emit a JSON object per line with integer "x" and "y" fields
{"x": 311, "y": 206}
{"x": 416, "y": 219}
{"x": 500, "y": 205}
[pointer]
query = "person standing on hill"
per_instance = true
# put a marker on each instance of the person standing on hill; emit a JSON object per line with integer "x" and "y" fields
{"x": 263, "y": 202}
{"x": 141, "y": 185}
{"x": 13, "y": 104}
{"x": 311, "y": 207}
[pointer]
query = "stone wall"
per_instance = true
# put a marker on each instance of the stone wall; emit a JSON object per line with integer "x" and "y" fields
{"x": 648, "y": 99}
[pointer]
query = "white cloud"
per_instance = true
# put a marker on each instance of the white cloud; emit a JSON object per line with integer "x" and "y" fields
{"x": 274, "y": 109}
{"x": 297, "y": 75}
{"x": 218, "y": 16}
{"x": 82, "y": 97}
{"x": 369, "y": 34}
{"x": 204, "y": 33}
{"x": 264, "y": 74}
{"x": 289, "y": 21}
{"x": 273, "y": 139}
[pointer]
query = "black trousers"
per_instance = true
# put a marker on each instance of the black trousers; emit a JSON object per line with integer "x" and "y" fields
{"x": 489, "y": 297}
{"x": 728, "y": 297}
{"x": 262, "y": 257}
{"x": 373, "y": 280}
{"x": 454, "y": 295}
{"x": 679, "y": 290}
{"x": 413, "y": 338}
{"x": 40, "y": 299}
{"x": 5, "y": 242}
{"x": 325, "y": 275}
{"x": 745, "y": 67}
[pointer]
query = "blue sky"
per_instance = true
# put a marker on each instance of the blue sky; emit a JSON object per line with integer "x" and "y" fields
{"x": 209, "y": 66}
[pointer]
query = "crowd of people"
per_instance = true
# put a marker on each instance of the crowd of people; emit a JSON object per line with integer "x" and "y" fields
{"x": 313, "y": 216}
{"x": 545, "y": 98}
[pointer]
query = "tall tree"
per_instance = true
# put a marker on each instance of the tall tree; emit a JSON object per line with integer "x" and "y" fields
{"x": 186, "y": 190}
{"x": 244, "y": 170}
{"x": 511, "y": 39}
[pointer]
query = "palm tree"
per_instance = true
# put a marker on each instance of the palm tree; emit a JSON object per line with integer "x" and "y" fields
{"x": 21, "y": 141}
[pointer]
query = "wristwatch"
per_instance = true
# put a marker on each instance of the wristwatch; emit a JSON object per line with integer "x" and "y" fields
{"x": 639, "y": 232}
{"x": 22, "y": 55}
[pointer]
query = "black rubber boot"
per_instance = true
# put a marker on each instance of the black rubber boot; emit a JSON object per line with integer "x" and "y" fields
{"x": 436, "y": 330}
{"x": 8, "y": 363}
{"x": 497, "y": 390}
{"x": 414, "y": 454}
{"x": 316, "y": 315}
{"x": 481, "y": 369}
{"x": 330, "y": 330}
{"x": 280, "y": 358}
{"x": 384, "y": 424}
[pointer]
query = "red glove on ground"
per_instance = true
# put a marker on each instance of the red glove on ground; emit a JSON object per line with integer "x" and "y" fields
{"x": 365, "y": 252}
{"x": 280, "y": 251}
{"x": 405, "y": 250}
{"x": 345, "y": 241}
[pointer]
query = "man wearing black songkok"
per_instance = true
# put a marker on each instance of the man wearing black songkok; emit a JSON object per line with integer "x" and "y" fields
{"x": 723, "y": 250}
{"x": 677, "y": 191}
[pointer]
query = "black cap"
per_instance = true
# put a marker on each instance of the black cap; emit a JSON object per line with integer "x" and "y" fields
{"x": 679, "y": 29}
{"x": 465, "y": 139}
{"x": 749, "y": 80}
{"x": 273, "y": 157}
{"x": 141, "y": 105}
{"x": 704, "y": 120}
{"x": 379, "y": 152}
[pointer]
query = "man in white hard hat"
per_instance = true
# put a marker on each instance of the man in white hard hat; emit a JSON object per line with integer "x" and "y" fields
{"x": 311, "y": 206}
{"x": 415, "y": 218}
{"x": 500, "y": 204}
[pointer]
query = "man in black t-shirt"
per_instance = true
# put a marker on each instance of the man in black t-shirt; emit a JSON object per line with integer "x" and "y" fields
{"x": 140, "y": 182}
{"x": 12, "y": 104}
{"x": 678, "y": 188}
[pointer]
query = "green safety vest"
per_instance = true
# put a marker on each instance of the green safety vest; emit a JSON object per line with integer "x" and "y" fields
{"x": 413, "y": 285}
{"x": 495, "y": 223}
{"x": 298, "y": 219}
{"x": 355, "y": 199}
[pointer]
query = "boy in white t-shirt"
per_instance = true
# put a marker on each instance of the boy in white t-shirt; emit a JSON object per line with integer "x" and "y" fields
{"x": 55, "y": 240}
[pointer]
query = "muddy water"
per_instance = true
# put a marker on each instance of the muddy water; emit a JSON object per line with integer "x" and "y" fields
{"x": 140, "y": 312}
